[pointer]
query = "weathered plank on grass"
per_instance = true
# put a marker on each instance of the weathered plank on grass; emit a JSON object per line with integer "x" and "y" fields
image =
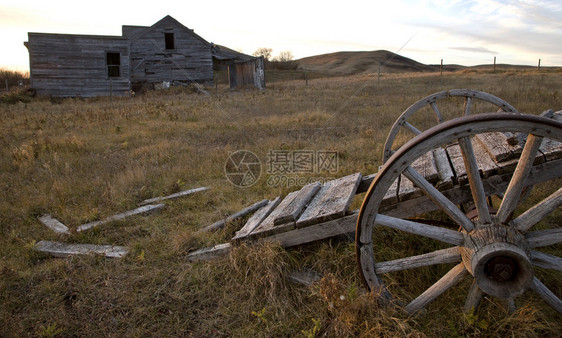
{"x": 256, "y": 220}
{"x": 213, "y": 252}
{"x": 304, "y": 277}
{"x": 54, "y": 224}
{"x": 239, "y": 214}
{"x": 332, "y": 201}
{"x": 499, "y": 146}
{"x": 293, "y": 210}
{"x": 176, "y": 195}
{"x": 58, "y": 249}
{"x": 137, "y": 211}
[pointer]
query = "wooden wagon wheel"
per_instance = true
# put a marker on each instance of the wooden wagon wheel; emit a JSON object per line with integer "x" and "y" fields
{"x": 498, "y": 251}
{"x": 467, "y": 94}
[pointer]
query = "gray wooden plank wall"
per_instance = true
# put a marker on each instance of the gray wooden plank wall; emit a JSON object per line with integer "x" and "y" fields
{"x": 189, "y": 61}
{"x": 75, "y": 65}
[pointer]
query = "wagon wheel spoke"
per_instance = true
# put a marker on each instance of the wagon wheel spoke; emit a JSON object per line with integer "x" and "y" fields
{"x": 542, "y": 238}
{"x": 411, "y": 128}
{"x": 546, "y": 294}
{"x": 535, "y": 214}
{"x": 546, "y": 261}
{"x": 429, "y": 231}
{"x": 437, "y": 112}
{"x": 449, "y": 255}
{"x": 438, "y": 198}
{"x": 513, "y": 192}
{"x": 467, "y": 105}
{"x": 476, "y": 186}
{"x": 473, "y": 299}
{"x": 445, "y": 283}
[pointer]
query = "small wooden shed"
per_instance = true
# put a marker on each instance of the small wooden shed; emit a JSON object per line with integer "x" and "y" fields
{"x": 93, "y": 65}
{"x": 242, "y": 70}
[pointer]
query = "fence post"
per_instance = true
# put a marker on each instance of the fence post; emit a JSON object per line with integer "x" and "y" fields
{"x": 539, "y": 67}
{"x": 494, "y": 64}
{"x": 441, "y": 68}
{"x": 306, "y": 78}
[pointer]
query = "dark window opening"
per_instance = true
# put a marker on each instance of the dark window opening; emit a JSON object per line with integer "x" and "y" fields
{"x": 169, "y": 39}
{"x": 113, "y": 64}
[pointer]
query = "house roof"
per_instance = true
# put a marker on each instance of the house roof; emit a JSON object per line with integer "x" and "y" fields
{"x": 167, "y": 19}
{"x": 224, "y": 53}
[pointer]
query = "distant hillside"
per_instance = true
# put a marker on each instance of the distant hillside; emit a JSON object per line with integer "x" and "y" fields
{"x": 348, "y": 63}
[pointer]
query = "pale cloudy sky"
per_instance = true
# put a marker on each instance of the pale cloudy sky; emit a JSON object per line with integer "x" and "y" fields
{"x": 467, "y": 32}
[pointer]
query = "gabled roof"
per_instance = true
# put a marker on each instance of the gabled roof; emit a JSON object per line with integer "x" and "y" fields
{"x": 224, "y": 53}
{"x": 167, "y": 19}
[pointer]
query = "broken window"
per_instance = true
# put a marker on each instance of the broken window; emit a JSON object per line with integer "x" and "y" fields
{"x": 113, "y": 64}
{"x": 169, "y": 39}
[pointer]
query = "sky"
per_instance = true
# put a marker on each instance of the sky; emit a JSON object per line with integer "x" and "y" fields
{"x": 466, "y": 32}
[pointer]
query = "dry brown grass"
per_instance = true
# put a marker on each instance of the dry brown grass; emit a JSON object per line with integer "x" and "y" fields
{"x": 82, "y": 160}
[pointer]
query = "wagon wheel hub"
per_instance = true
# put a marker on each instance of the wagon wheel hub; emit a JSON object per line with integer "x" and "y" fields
{"x": 498, "y": 258}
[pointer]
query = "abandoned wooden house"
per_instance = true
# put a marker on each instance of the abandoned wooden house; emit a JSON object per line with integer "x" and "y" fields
{"x": 92, "y": 65}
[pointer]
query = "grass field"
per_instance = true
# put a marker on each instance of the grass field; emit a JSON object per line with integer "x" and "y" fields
{"x": 85, "y": 159}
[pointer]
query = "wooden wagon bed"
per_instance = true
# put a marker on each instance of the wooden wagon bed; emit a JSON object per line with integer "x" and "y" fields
{"x": 319, "y": 211}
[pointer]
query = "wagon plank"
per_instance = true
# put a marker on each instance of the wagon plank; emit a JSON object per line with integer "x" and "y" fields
{"x": 256, "y": 219}
{"x": 294, "y": 209}
{"x": 499, "y": 146}
{"x": 331, "y": 202}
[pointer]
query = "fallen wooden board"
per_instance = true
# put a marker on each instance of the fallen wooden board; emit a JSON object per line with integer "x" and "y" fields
{"x": 176, "y": 195}
{"x": 332, "y": 201}
{"x": 58, "y": 249}
{"x": 256, "y": 220}
{"x": 304, "y": 277}
{"x": 54, "y": 224}
{"x": 213, "y": 252}
{"x": 239, "y": 214}
{"x": 140, "y": 210}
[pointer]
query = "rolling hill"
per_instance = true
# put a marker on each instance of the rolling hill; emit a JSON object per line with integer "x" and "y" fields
{"x": 351, "y": 63}
{"x": 348, "y": 63}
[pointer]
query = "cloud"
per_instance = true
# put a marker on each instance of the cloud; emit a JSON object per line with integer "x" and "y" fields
{"x": 474, "y": 50}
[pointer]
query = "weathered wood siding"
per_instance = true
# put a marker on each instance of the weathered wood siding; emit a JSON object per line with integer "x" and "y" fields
{"x": 189, "y": 61}
{"x": 76, "y": 65}
{"x": 247, "y": 73}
